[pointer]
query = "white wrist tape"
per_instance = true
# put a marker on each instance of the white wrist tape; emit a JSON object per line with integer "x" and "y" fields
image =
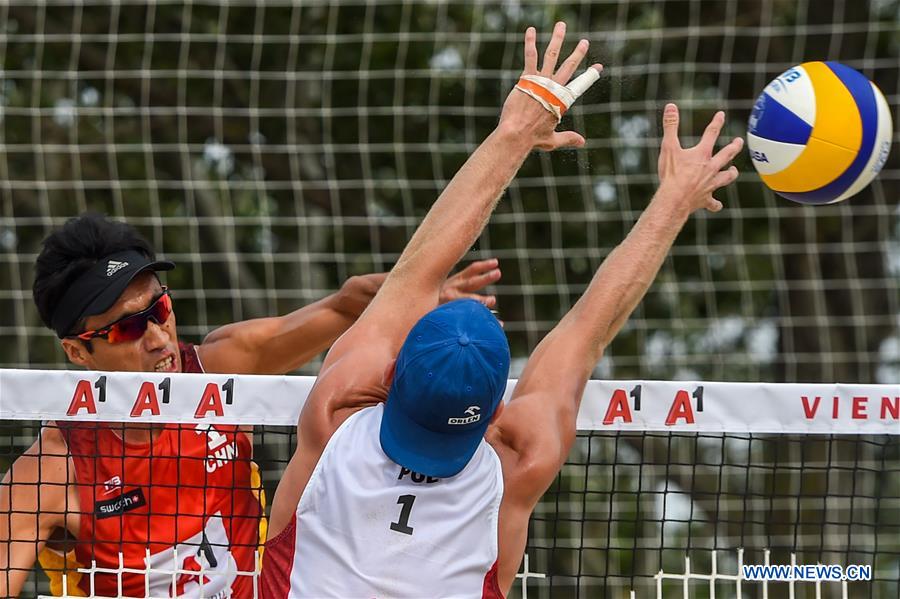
{"x": 554, "y": 97}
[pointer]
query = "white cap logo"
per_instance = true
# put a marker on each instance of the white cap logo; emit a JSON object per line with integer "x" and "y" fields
{"x": 473, "y": 416}
{"x": 113, "y": 266}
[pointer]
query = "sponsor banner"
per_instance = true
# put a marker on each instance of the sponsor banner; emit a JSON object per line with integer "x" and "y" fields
{"x": 740, "y": 407}
{"x": 607, "y": 405}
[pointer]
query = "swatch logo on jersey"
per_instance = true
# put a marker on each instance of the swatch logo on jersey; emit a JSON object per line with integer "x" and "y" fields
{"x": 117, "y": 506}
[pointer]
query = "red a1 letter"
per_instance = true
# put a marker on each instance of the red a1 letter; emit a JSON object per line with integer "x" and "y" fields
{"x": 210, "y": 402}
{"x": 146, "y": 400}
{"x": 681, "y": 408}
{"x": 618, "y": 408}
{"x": 83, "y": 398}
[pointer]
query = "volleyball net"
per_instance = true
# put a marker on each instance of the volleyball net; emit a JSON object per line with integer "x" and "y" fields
{"x": 670, "y": 490}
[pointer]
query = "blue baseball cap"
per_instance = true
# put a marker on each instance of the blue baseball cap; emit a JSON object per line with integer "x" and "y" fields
{"x": 449, "y": 378}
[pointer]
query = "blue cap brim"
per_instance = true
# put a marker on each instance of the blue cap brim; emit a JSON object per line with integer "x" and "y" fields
{"x": 425, "y": 451}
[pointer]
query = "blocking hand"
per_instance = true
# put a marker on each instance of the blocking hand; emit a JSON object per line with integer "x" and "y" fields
{"x": 693, "y": 174}
{"x": 468, "y": 283}
{"x": 532, "y": 109}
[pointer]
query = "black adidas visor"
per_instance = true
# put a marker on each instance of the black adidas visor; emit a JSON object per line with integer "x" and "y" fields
{"x": 97, "y": 290}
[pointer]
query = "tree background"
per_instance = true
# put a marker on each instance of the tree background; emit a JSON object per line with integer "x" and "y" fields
{"x": 273, "y": 148}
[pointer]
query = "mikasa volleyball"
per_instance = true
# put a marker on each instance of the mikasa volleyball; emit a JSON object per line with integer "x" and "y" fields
{"x": 819, "y": 133}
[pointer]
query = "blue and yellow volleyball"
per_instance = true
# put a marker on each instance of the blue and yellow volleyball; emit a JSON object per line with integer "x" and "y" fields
{"x": 819, "y": 133}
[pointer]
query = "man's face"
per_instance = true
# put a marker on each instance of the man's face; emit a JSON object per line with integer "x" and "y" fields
{"x": 155, "y": 351}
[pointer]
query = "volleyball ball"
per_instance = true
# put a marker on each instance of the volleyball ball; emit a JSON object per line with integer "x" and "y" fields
{"x": 819, "y": 133}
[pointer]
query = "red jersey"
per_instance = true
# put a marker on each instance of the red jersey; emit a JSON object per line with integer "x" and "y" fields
{"x": 191, "y": 498}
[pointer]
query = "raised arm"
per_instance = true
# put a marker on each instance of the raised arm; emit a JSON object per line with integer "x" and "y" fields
{"x": 537, "y": 428}
{"x": 353, "y": 375}
{"x": 280, "y": 344}
{"x": 460, "y": 213}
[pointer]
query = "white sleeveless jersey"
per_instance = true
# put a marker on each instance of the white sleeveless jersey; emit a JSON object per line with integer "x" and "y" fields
{"x": 367, "y": 527}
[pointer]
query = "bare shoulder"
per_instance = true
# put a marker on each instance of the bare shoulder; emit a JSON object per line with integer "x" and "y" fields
{"x": 52, "y": 438}
{"x": 39, "y": 478}
{"x": 50, "y": 453}
{"x": 513, "y": 453}
{"x": 350, "y": 380}
{"x": 344, "y": 387}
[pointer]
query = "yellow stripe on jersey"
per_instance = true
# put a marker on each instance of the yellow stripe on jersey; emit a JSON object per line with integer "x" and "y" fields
{"x": 834, "y": 141}
{"x": 59, "y": 564}
{"x": 260, "y": 494}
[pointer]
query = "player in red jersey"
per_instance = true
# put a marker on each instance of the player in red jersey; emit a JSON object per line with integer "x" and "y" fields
{"x": 88, "y": 493}
{"x": 413, "y": 391}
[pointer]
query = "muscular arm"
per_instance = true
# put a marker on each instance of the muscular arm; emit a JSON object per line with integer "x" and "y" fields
{"x": 32, "y": 504}
{"x": 353, "y": 374}
{"x": 460, "y": 213}
{"x": 281, "y": 344}
{"x": 537, "y": 428}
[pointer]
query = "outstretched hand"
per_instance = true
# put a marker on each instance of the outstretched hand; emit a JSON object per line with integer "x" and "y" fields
{"x": 357, "y": 292}
{"x": 469, "y": 281}
{"x": 693, "y": 174}
{"x": 526, "y": 116}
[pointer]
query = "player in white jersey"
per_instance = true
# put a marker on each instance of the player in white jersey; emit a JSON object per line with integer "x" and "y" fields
{"x": 368, "y": 526}
{"x": 410, "y": 478}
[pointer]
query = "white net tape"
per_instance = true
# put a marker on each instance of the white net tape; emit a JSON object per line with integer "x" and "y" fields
{"x": 607, "y": 405}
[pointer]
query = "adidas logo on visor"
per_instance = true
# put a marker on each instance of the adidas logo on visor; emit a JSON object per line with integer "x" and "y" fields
{"x": 113, "y": 266}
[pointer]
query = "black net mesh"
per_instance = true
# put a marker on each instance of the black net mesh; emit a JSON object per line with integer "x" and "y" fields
{"x": 625, "y": 507}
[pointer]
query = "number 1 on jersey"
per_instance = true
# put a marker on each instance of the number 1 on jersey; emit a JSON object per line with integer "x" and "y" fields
{"x": 402, "y": 523}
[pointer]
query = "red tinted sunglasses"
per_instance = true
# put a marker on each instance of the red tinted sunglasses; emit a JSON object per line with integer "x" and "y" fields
{"x": 133, "y": 326}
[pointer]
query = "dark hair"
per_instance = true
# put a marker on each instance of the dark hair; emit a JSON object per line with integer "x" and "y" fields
{"x": 73, "y": 249}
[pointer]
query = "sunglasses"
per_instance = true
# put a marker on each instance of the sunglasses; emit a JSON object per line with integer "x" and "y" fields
{"x": 133, "y": 326}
